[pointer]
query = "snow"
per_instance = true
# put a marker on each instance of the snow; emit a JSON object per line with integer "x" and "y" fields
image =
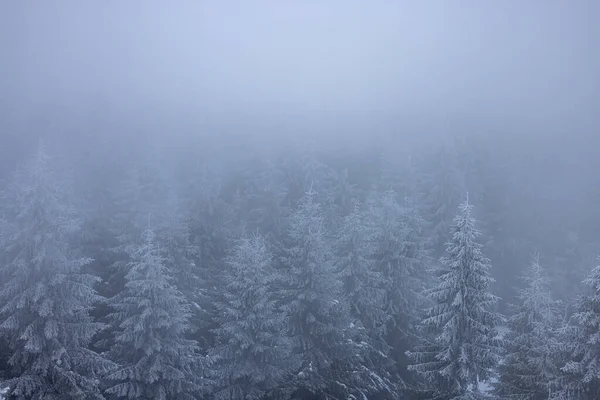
{"x": 486, "y": 387}
{"x": 502, "y": 331}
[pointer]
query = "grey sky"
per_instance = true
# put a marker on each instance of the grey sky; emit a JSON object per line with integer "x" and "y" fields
{"x": 530, "y": 62}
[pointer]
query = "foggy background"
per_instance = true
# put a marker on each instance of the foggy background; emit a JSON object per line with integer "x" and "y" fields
{"x": 216, "y": 116}
{"x": 235, "y": 78}
{"x": 280, "y": 70}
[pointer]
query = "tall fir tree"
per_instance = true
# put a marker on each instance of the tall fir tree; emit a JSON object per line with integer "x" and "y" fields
{"x": 364, "y": 288}
{"x": 211, "y": 229}
{"x": 566, "y": 385}
{"x": 581, "y": 379}
{"x": 147, "y": 188}
{"x": 463, "y": 349}
{"x": 364, "y": 285}
{"x": 313, "y": 304}
{"x": 253, "y": 355}
{"x": 399, "y": 255}
{"x": 45, "y": 297}
{"x": 156, "y": 360}
{"x": 529, "y": 369}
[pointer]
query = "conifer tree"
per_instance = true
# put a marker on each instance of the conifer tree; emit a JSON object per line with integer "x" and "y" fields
{"x": 463, "y": 349}
{"x": 253, "y": 353}
{"x": 45, "y": 298}
{"x": 565, "y": 385}
{"x": 148, "y": 189}
{"x": 399, "y": 256}
{"x": 313, "y": 302}
{"x": 384, "y": 218}
{"x": 364, "y": 288}
{"x": 528, "y": 369}
{"x": 210, "y": 223}
{"x": 581, "y": 378}
{"x": 363, "y": 284}
{"x": 156, "y": 360}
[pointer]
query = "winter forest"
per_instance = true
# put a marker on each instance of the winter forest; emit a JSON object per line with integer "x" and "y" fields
{"x": 210, "y": 221}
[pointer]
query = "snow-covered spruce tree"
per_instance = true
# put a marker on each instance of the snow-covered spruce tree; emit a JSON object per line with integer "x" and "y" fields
{"x": 182, "y": 255}
{"x": 212, "y": 227}
{"x": 45, "y": 297}
{"x": 146, "y": 187}
{"x": 363, "y": 284}
{"x": 253, "y": 356}
{"x": 313, "y": 304}
{"x": 529, "y": 369}
{"x": 581, "y": 378}
{"x": 398, "y": 251}
{"x": 156, "y": 360}
{"x": 149, "y": 188}
{"x": 365, "y": 292}
{"x": 399, "y": 256}
{"x": 566, "y": 385}
{"x": 4, "y": 348}
{"x": 463, "y": 349}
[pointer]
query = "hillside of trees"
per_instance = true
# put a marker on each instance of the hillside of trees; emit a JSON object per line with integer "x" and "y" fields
{"x": 156, "y": 272}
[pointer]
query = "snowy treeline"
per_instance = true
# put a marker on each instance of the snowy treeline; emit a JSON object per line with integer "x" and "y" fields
{"x": 164, "y": 278}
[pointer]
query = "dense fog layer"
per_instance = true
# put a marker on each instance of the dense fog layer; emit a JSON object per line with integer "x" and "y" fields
{"x": 195, "y": 184}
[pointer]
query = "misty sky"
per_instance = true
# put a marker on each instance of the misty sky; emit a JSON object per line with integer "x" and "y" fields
{"x": 341, "y": 64}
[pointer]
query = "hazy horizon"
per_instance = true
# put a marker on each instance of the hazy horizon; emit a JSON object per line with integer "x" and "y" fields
{"x": 298, "y": 67}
